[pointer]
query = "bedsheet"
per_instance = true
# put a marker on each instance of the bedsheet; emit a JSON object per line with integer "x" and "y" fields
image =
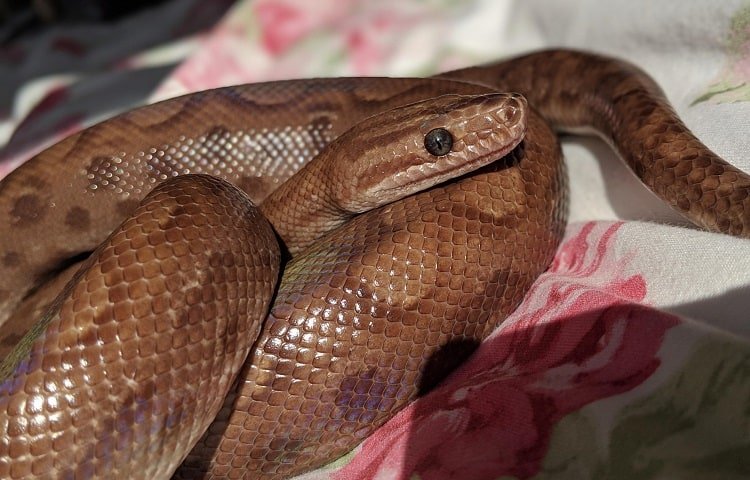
{"x": 630, "y": 357}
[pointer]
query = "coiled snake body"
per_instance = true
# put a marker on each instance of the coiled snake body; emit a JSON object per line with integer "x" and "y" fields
{"x": 136, "y": 357}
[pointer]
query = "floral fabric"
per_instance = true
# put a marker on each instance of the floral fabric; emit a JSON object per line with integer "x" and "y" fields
{"x": 630, "y": 357}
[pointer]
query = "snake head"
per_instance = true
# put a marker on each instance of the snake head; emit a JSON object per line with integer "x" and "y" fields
{"x": 414, "y": 147}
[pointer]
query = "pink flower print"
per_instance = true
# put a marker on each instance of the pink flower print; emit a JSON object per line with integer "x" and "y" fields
{"x": 283, "y": 23}
{"x": 368, "y": 44}
{"x": 580, "y": 336}
{"x": 366, "y": 32}
{"x": 217, "y": 64}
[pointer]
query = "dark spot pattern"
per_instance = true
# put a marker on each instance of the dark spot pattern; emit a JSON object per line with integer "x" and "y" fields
{"x": 28, "y": 210}
{"x": 11, "y": 340}
{"x": 78, "y": 218}
{"x": 36, "y": 183}
{"x": 11, "y": 259}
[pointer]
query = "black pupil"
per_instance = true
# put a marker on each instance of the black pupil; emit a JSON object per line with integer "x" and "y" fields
{"x": 438, "y": 142}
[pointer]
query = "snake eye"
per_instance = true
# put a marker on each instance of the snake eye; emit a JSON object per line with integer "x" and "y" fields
{"x": 438, "y": 142}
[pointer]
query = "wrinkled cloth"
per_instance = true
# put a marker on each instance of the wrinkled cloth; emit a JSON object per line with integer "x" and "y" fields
{"x": 630, "y": 356}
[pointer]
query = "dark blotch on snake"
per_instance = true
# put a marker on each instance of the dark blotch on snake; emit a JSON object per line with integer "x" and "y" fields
{"x": 78, "y": 218}
{"x": 28, "y": 209}
{"x": 11, "y": 259}
{"x": 12, "y": 339}
{"x": 36, "y": 183}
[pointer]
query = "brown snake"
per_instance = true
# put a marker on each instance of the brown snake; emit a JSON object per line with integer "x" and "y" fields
{"x": 140, "y": 345}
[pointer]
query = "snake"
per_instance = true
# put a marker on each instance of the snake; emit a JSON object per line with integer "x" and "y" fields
{"x": 144, "y": 329}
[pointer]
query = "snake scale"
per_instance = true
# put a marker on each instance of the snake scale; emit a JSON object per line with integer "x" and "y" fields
{"x": 123, "y": 375}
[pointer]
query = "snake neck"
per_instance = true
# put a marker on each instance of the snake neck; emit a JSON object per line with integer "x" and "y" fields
{"x": 303, "y": 209}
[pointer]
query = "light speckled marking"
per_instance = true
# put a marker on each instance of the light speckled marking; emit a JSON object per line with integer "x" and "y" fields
{"x": 237, "y": 154}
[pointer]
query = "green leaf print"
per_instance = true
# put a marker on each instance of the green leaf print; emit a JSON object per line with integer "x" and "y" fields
{"x": 733, "y": 82}
{"x": 695, "y": 426}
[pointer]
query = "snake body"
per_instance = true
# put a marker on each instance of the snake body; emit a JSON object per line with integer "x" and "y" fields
{"x": 365, "y": 319}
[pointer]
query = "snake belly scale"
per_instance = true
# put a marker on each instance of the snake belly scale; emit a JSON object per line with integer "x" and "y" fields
{"x": 358, "y": 315}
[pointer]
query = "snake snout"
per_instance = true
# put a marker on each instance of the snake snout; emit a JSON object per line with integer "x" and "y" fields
{"x": 491, "y": 126}
{"x": 501, "y": 114}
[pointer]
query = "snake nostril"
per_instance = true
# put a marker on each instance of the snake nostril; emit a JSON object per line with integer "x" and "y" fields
{"x": 508, "y": 115}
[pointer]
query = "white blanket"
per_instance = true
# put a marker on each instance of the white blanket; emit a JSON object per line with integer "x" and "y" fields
{"x": 630, "y": 357}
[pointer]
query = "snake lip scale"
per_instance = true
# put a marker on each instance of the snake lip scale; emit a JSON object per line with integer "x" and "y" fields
{"x": 173, "y": 350}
